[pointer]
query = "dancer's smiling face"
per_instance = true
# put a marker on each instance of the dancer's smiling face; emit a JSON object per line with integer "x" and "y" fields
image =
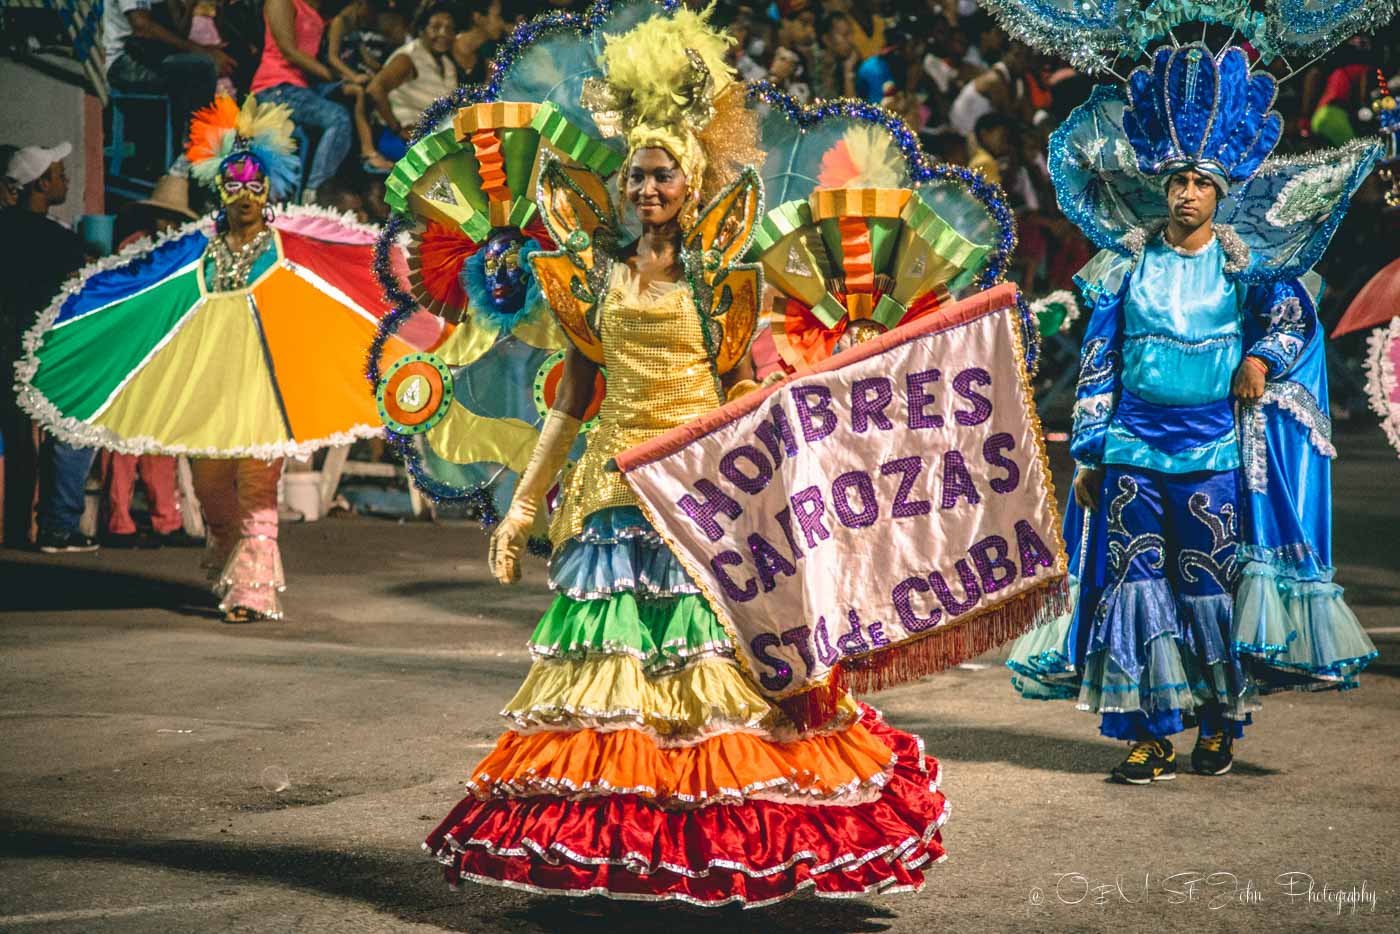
{"x": 656, "y": 186}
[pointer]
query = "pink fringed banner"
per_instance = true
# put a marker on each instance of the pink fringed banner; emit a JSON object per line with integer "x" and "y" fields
{"x": 873, "y": 520}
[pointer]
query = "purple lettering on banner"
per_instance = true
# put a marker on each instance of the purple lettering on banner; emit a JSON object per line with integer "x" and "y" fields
{"x": 775, "y": 429}
{"x": 806, "y": 409}
{"x": 991, "y": 453}
{"x": 770, "y": 562}
{"x": 784, "y": 518}
{"x": 870, "y": 507}
{"x": 970, "y": 589}
{"x": 853, "y": 642}
{"x": 763, "y": 471}
{"x": 703, "y": 513}
{"x": 981, "y": 405}
{"x": 782, "y": 676}
{"x": 799, "y": 637}
{"x": 990, "y": 557}
{"x": 822, "y": 638}
{"x": 1034, "y": 554}
{"x": 869, "y": 398}
{"x": 957, "y": 481}
{"x": 810, "y": 507}
{"x": 918, "y": 398}
{"x": 909, "y": 469}
{"x": 910, "y": 620}
{"x": 877, "y": 634}
{"x": 732, "y": 590}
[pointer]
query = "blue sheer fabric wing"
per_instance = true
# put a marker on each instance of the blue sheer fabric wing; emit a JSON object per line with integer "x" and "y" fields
{"x": 554, "y": 66}
{"x": 1077, "y": 29}
{"x": 1314, "y": 26}
{"x": 1286, "y": 214}
{"x": 1097, "y": 180}
{"x": 795, "y": 150}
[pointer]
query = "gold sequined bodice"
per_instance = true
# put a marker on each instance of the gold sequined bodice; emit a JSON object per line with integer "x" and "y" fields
{"x": 659, "y": 377}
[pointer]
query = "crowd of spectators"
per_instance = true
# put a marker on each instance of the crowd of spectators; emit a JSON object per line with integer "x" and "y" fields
{"x": 356, "y": 74}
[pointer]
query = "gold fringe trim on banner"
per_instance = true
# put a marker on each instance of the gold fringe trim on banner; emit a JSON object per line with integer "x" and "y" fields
{"x": 945, "y": 647}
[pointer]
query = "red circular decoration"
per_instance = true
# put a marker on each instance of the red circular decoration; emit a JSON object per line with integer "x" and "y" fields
{"x": 551, "y": 389}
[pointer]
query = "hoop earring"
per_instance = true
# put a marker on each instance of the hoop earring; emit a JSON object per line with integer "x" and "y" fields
{"x": 221, "y": 220}
{"x": 268, "y": 213}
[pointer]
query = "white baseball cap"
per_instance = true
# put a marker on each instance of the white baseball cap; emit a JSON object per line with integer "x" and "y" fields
{"x": 32, "y": 161}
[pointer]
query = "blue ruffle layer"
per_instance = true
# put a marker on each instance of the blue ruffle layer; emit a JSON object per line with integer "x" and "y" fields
{"x": 1155, "y": 663}
{"x": 618, "y": 551}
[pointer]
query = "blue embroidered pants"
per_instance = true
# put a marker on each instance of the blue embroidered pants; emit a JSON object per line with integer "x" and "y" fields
{"x": 1159, "y": 656}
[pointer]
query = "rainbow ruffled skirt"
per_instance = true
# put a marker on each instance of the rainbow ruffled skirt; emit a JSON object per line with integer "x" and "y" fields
{"x": 641, "y": 764}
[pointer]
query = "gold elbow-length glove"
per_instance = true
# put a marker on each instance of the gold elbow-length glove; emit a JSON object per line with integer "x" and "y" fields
{"x": 512, "y": 532}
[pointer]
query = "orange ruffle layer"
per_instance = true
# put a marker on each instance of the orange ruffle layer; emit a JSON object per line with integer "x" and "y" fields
{"x": 847, "y": 767}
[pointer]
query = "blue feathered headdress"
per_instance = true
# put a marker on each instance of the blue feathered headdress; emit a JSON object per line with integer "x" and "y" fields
{"x": 223, "y": 131}
{"x": 1192, "y": 110}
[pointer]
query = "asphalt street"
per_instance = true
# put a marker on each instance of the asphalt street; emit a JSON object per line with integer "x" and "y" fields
{"x": 165, "y": 772}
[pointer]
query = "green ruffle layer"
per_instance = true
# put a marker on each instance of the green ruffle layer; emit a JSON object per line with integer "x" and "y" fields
{"x": 663, "y": 634}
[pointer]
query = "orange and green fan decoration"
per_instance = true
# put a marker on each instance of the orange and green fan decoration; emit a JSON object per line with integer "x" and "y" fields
{"x": 857, "y": 256}
{"x": 476, "y": 177}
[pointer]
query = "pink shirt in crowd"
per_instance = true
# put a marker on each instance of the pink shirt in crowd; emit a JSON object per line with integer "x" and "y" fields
{"x": 274, "y": 69}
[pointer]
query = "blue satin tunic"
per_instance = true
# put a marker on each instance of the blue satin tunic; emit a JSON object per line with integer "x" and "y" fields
{"x": 1182, "y": 341}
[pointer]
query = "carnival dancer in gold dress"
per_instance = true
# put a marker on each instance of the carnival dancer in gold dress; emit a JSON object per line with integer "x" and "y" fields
{"x": 640, "y": 762}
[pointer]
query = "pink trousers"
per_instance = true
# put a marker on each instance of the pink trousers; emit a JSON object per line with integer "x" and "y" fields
{"x": 239, "y": 497}
{"x": 158, "y": 476}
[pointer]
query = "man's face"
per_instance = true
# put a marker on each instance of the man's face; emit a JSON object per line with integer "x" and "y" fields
{"x": 996, "y": 141}
{"x": 838, "y": 38}
{"x": 56, "y": 183}
{"x": 1191, "y": 198}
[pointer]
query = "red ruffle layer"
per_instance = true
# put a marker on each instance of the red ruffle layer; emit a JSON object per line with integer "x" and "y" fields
{"x": 625, "y": 847}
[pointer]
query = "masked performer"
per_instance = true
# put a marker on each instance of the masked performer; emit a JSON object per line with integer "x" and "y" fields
{"x": 1200, "y": 527}
{"x": 641, "y": 762}
{"x": 196, "y": 344}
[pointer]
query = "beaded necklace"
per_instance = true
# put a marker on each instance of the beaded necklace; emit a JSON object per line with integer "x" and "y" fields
{"x": 231, "y": 267}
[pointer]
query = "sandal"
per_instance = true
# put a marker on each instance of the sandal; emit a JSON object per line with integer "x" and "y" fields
{"x": 376, "y": 164}
{"x": 241, "y": 614}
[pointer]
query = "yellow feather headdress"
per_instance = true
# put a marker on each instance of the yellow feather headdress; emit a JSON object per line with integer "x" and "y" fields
{"x": 666, "y": 84}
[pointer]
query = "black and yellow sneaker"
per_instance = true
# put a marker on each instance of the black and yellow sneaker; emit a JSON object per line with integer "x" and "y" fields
{"x": 1152, "y": 760}
{"x": 1213, "y": 754}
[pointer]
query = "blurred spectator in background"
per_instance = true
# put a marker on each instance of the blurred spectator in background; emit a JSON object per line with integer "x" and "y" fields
{"x": 837, "y": 60}
{"x": 895, "y": 70}
{"x": 147, "y": 52}
{"x": 9, "y": 188}
{"x": 991, "y": 150}
{"x": 204, "y": 31}
{"x": 341, "y": 194}
{"x": 473, "y": 47}
{"x": 867, "y": 26}
{"x": 344, "y": 40}
{"x": 786, "y": 74}
{"x": 285, "y": 75}
{"x": 999, "y": 89}
{"x": 40, "y": 253}
{"x": 1344, "y": 90}
{"x": 415, "y": 76}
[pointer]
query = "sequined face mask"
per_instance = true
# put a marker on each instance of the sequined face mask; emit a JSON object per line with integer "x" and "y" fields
{"x": 243, "y": 179}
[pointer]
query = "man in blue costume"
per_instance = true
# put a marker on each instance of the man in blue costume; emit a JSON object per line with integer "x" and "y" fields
{"x": 1200, "y": 528}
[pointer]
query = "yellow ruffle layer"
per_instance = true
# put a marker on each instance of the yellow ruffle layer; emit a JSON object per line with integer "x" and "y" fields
{"x": 710, "y": 697}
